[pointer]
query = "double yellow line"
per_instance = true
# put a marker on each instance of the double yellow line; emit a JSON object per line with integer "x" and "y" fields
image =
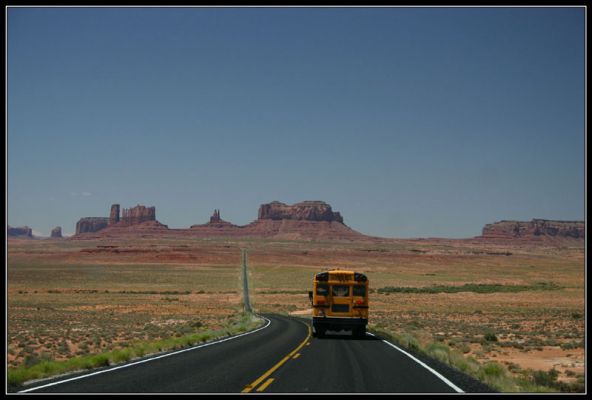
{"x": 256, "y": 382}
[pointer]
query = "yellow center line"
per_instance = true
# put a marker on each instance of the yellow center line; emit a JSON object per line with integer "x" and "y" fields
{"x": 265, "y": 385}
{"x": 252, "y": 385}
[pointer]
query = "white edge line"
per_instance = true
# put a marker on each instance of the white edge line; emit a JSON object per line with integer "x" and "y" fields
{"x": 433, "y": 371}
{"x": 149, "y": 359}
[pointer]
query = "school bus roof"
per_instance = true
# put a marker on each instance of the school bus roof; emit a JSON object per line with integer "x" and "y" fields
{"x": 339, "y": 274}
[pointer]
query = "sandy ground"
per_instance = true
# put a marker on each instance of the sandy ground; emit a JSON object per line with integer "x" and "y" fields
{"x": 79, "y": 274}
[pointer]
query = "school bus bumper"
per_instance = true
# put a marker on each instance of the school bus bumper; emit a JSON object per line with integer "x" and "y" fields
{"x": 338, "y": 324}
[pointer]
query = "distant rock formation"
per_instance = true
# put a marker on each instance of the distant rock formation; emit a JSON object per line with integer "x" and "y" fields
{"x": 137, "y": 215}
{"x": 23, "y": 232}
{"x": 535, "y": 228}
{"x": 215, "y": 217}
{"x": 304, "y": 211}
{"x": 138, "y": 218}
{"x": 307, "y": 220}
{"x": 56, "y": 232}
{"x": 215, "y": 222}
{"x": 91, "y": 224}
{"x": 114, "y": 216}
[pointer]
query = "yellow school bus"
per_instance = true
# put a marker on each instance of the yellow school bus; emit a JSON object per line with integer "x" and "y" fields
{"x": 339, "y": 302}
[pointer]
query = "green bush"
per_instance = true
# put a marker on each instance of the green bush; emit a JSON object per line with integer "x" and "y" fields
{"x": 543, "y": 378}
{"x": 100, "y": 360}
{"x": 410, "y": 342}
{"x": 465, "y": 348}
{"x": 439, "y": 351}
{"x": 490, "y": 337}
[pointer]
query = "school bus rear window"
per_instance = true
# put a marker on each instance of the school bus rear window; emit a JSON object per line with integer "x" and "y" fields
{"x": 360, "y": 290}
{"x": 340, "y": 290}
{"x": 322, "y": 289}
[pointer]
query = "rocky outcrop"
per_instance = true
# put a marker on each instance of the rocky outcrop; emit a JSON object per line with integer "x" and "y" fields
{"x": 56, "y": 232}
{"x": 22, "y": 232}
{"x": 535, "y": 228}
{"x": 114, "y": 216}
{"x": 290, "y": 229}
{"x": 136, "y": 218}
{"x": 215, "y": 222}
{"x": 91, "y": 224}
{"x": 137, "y": 215}
{"x": 304, "y": 211}
{"x": 308, "y": 220}
{"x": 215, "y": 218}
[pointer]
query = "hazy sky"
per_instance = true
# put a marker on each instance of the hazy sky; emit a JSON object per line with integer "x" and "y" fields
{"x": 411, "y": 122}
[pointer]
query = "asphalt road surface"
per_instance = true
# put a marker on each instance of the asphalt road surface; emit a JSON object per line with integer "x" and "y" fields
{"x": 283, "y": 357}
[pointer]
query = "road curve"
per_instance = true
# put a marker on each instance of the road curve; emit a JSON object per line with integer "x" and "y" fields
{"x": 282, "y": 357}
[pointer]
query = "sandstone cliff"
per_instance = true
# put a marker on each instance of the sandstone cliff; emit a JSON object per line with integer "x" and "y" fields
{"x": 304, "y": 211}
{"x": 535, "y": 228}
{"x": 307, "y": 220}
{"x": 114, "y": 215}
{"x": 23, "y": 232}
{"x": 137, "y": 215}
{"x": 56, "y": 232}
{"x": 91, "y": 224}
{"x": 140, "y": 218}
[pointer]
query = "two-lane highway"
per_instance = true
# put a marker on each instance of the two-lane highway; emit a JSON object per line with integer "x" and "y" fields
{"x": 280, "y": 357}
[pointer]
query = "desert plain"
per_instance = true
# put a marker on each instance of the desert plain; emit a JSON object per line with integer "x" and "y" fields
{"x": 519, "y": 304}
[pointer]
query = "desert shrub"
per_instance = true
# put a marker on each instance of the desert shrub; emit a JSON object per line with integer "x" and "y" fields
{"x": 17, "y": 376}
{"x": 490, "y": 336}
{"x": 545, "y": 378}
{"x": 571, "y": 387}
{"x": 100, "y": 360}
{"x": 467, "y": 365}
{"x": 465, "y": 348}
{"x": 495, "y": 375}
{"x": 513, "y": 367}
{"x": 409, "y": 342}
{"x": 196, "y": 324}
{"x": 30, "y": 360}
{"x": 121, "y": 355}
{"x": 439, "y": 351}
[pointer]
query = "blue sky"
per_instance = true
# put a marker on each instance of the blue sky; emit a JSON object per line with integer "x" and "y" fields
{"x": 412, "y": 122}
